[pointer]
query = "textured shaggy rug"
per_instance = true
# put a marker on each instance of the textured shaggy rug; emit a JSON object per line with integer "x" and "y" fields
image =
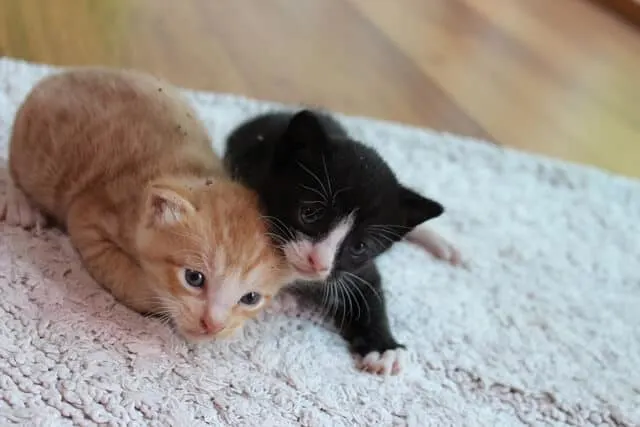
{"x": 542, "y": 329}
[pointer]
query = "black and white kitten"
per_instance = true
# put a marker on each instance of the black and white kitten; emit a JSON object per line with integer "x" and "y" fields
{"x": 334, "y": 206}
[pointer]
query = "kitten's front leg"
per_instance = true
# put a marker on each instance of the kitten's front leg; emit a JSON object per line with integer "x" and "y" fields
{"x": 17, "y": 210}
{"x": 108, "y": 264}
{"x": 365, "y": 324}
{"x": 435, "y": 244}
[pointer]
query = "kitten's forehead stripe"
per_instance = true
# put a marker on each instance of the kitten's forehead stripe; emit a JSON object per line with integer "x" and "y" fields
{"x": 220, "y": 259}
{"x": 224, "y": 292}
{"x": 340, "y": 231}
{"x": 326, "y": 249}
{"x": 255, "y": 259}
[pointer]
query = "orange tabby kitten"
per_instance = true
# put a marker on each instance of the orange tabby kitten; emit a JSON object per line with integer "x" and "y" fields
{"x": 122, "y": 162}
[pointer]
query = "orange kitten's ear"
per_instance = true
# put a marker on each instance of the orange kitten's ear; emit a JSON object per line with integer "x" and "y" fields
{"x": 166, "y": 206}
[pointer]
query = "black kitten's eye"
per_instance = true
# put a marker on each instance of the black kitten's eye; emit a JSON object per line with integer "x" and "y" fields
{"x": 251, "y": 298}
{"x": 359, "y": 248}
{"x": 310, "y": 214}
{"x": 194, "y": 278}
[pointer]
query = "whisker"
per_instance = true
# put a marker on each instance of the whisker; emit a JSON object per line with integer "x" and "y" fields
{"x": 357, "y": 303}
{"x": 340, "y": 298}
{"x": 284, "y": 239}
{"x": 345, "y": 296}
{"x": 276, "y": 237}
{"x": 166, "y": 320}
{"x": 325, "y": 296}
{"x": 325, "y": 302}
{"x": 274, "y": 222}
{"x": 276, "y": 246}
{"x": 315, "y": 202}
{"x": 333, "y": 197}
{"x": 377, "y": 241}
{"x": 153, "y": 299}
{"x": 364, "y": 282}
{"x": 355, "y": 287}
{"x": 318, "y": 180}
{"x": 318, "y": 192}
{"x": 273, "y": 219}
{"x": 334, "y": 300}
{"x": 326, "y": 173}
{"x": 385, "y": 232}
{"x": 390, "y": 226}
{"x": 387, "y": 238}
{"x": 391, "y": 232}
{"x": 350, "y": 298}
{"x": 281, "y": 226}
{"x": 165, "y": 312}
{"x": 388, "y": 229}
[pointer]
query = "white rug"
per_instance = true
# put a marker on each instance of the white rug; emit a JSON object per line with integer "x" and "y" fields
{"x": 544, "y": 329}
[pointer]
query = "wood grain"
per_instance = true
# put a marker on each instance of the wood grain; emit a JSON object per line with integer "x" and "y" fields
{"x": 546, "y": 76}
{"x": 629, "y": 10}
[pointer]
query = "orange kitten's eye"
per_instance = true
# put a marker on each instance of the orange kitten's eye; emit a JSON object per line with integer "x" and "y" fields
{"x": 251, "y": 298}
{"x": 194, "y": 278}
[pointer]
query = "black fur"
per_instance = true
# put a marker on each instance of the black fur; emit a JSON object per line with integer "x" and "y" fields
{"x": 278, "y": 154}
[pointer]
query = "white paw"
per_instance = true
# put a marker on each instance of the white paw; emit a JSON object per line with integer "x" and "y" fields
{"x": 388, "y": 363}
{"x": 17, "y": 211}
{"x": 435, "y": 244}
{"x": 446, "y": 251}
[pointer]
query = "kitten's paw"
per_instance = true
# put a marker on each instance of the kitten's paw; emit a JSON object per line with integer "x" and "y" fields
{"x": 388, "y": 363}
{"x": 437, "y": 245}
{"x": 17, "y": 211}
{"x": 446, "y": 251}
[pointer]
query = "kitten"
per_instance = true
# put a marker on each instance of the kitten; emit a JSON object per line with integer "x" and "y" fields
{"x": 334, "y": 206}
{"x": 121, "y": 161}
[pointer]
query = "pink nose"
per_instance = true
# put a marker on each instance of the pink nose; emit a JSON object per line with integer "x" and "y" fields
{"x": 209, "y": 326}
{"x": 316, "y": 263}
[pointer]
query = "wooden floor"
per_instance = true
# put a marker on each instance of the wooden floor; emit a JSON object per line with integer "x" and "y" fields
{"x": 549, "y": 76}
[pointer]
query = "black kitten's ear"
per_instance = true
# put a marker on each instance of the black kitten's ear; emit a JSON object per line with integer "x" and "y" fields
{"x": 304, "y": 130}
{"x": 418, "y": 209}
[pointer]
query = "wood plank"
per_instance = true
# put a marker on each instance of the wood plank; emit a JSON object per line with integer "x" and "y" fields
{"x": 629, "y": 10}
{"x": 528, "y": 86}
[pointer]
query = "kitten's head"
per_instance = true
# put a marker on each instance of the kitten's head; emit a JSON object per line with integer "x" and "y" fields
{"x": 205, "y": 244}
{"x": 335, "y": 204}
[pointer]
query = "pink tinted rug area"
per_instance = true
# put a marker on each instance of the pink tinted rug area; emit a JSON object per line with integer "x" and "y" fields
{"x": 542, "y": 329}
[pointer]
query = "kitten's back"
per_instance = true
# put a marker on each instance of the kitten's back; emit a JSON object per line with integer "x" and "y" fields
{"x": 103, "y": 130}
